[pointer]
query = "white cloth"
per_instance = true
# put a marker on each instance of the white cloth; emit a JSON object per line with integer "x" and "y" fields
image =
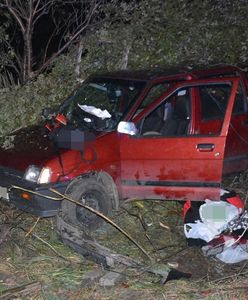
{"x": 103, "y": 114}
{"x": 214, "y": 217}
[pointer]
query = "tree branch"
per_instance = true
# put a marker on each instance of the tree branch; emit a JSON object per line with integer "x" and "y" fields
{"x": 70, "y": 41}
{"x": 16, "y": 15}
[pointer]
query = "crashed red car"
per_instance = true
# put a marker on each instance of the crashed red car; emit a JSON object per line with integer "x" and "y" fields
{"x": 165, "y": 134}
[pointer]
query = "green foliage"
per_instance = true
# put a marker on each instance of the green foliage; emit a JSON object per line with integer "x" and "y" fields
{"x": 21, "y": 105}
{"x": 171, "y": 32}
{"x": 137, "y": 34}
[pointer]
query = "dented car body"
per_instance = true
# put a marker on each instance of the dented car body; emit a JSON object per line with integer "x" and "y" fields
{"x": 165, "y": 134}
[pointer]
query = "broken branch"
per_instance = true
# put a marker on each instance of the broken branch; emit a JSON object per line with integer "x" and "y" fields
{"x": 20, "y": 291}
{"x": 99, "y": 214}
{"x": 106, "y": 219}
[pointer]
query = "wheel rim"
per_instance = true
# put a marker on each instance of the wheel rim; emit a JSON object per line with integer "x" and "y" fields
{"x": 90, "y": 199}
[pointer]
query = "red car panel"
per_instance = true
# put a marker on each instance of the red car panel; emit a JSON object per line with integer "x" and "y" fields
{"x": 176, "y": 167}
{"x": 192, "y": 127}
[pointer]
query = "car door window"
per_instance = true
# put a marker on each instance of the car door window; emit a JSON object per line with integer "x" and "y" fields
{"x": 171, "y": 118}
{"x": 154, "y": 93}
{"x": 240, "y": 103}
{"x": 213, "y": 101}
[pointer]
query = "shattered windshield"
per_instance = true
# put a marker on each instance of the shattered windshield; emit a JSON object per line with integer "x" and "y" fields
{"x": 101, "y": 103}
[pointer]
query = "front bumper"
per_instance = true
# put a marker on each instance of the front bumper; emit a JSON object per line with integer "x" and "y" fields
{"x": 29, "y": 201}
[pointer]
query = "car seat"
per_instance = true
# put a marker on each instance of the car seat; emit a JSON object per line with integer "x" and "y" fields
{"x": 179, "y": 121}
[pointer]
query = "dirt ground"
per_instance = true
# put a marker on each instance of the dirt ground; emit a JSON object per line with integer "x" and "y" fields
{"x": 34, "y": 264}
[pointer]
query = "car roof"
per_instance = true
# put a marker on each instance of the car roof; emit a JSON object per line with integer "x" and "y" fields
{"x": 180, "y": 73}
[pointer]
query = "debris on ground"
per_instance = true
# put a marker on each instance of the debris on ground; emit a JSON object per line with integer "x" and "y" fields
{"x": 220, "y": 228}
{"x": 91, "y": 249}
{"x": 27, "y": 255}
{"x": 21, "y": 291}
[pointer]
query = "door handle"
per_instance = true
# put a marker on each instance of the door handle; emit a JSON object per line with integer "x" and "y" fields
{"x": 245, "y": 122}
{"x": 205, "y": 147}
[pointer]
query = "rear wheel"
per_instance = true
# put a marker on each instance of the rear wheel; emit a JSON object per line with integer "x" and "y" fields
{"x": 91, "y": 192}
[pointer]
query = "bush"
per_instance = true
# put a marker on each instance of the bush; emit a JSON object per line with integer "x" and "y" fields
{"x": 144, "y": 33}
{"x": 21, "y": 105}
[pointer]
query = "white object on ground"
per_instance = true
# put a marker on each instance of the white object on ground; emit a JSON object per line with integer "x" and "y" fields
{"x": 214, "y": 220}
{"x": 217, "y": 214}
{"x": 233, "y": 254}
{"x": 214, "y": 217}
{"x": 199, "y": 230}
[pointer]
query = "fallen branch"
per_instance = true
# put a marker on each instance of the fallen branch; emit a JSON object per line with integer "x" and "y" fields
{"x": 32, "y": 228}
{"x": 38, "y": 194}
{"x": 76, "y": 239}
{"x": 106, "y": 219}
{"x": 99, "y": 214}
{"x": 143, "y": 224}
{"x": 44, "y": 242}
{"x": 221, "y": 290}
{"x": 227, "y": 277}
{"x": 20, "y": 291}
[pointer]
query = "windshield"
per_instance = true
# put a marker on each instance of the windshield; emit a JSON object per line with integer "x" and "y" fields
{"x": 100, "y": 103}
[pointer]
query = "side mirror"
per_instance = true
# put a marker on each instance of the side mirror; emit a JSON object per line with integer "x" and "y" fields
{"x": 127, "y": 128}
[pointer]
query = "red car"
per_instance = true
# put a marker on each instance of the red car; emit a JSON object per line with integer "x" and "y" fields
{"x": 156, "y": 134}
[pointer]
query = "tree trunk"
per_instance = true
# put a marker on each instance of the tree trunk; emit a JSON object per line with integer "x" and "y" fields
{"x": 125, "y": 56}
{"x": 27, "y": 56}
{"x": 79, "y": 58}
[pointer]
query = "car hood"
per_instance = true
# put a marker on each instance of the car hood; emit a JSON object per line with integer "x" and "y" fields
{"x": 24, "y": 147}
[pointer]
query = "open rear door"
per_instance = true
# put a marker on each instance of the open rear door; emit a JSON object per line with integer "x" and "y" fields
{"x": 181, "y": 159}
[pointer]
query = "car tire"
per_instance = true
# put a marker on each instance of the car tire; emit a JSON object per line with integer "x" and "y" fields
{"x": 91, "y": 192}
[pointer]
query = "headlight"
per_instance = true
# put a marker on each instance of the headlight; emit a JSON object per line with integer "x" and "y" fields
{"x": 38, "y": 175}
{"x": 45, "y": 175}
{"x": 32, "y": 173}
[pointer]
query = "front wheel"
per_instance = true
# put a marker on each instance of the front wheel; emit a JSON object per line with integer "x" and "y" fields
{"x": 88, "y": 191}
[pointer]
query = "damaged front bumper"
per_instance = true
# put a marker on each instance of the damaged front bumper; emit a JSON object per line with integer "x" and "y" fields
{"x": 28, "y": 198}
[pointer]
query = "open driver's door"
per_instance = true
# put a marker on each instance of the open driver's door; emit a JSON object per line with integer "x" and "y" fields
{"x": 172, "y": 164}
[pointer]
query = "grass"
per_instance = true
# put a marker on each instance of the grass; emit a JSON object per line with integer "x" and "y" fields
{"x": 157, "y": 226}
